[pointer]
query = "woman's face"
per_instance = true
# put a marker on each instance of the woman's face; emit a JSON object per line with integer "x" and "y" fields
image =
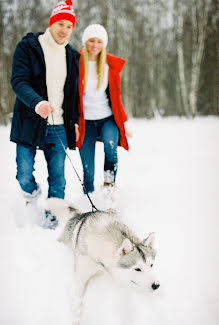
{"x": 94, "y": 47}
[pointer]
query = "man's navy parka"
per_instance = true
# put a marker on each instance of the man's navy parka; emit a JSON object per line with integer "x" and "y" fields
{"x": 28, "y": 81}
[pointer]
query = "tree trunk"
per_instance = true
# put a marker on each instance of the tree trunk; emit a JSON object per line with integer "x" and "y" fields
{"x": 198, "y": 42}
{"x": 181, "y": 63}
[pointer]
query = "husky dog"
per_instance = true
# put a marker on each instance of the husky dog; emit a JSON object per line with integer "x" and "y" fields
{"x": 102, "y": 243}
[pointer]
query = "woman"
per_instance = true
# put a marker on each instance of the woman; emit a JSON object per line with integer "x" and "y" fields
{"x": 101, "y": 113}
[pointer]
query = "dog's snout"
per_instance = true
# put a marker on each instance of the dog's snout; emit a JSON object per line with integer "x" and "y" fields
{"x": 155, "y": 286}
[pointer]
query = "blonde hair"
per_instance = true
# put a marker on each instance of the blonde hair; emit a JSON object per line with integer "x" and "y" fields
{"x": 100, "y": 63}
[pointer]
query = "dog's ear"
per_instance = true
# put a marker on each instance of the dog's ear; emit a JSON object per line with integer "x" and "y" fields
{"x": 149, "y": 241}
{"x": 126, "y": 247}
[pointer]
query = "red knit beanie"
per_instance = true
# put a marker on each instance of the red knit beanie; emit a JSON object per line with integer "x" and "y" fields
{"x": 63, "y": 11}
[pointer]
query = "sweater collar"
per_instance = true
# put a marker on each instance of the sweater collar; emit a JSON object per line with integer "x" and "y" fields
{"x": 51, "y": 42}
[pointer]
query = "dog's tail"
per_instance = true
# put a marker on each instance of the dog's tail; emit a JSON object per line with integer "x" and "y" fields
{"x": 62, "y": 209}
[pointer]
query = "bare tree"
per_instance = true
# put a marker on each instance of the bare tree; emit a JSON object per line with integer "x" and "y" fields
{"x": 180, "y": 52}
{"x": 196, "y": 12}
{"x": 199, "y": 19}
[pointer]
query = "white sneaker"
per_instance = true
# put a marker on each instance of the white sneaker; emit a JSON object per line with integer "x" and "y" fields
{"x": 32, "y": 197}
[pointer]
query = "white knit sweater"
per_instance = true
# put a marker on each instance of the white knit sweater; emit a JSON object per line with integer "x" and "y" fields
{"x": 56, "y": 72}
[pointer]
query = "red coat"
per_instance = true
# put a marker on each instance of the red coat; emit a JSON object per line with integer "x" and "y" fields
{"x": 116, "y": 65}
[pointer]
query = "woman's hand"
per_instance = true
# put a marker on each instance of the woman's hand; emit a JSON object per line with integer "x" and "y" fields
{"x": 77, "y": 133}
{"x": 128, "y": 130}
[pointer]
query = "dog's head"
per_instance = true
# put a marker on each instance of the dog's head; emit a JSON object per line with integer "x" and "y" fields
{"x": 134, "y": 264}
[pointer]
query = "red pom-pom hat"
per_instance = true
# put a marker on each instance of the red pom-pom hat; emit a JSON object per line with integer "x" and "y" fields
{"x": 63, "y": 11}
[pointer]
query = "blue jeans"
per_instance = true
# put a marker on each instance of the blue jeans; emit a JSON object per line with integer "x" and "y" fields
{"x": 55, "y": 158}
{"x": 107, "y": 131}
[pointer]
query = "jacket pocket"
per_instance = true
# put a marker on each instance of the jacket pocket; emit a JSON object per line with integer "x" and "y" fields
{"x": 34, "y": 130}
{"x": 28, "y": 130}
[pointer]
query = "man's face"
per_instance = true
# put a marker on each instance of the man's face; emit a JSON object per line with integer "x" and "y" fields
{"x": 61, "y": 31}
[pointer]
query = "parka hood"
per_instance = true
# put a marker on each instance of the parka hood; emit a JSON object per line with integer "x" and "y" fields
{"x": 32, "y": 39}
{"x": 115, "y": 62}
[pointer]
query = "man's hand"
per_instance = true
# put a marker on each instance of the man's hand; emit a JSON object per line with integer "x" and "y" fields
{"x": 45, "y": 109}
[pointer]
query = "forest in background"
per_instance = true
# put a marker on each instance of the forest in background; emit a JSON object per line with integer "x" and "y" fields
{"x": 171, "y": 48}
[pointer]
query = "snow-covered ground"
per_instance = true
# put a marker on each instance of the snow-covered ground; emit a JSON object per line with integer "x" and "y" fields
{"x": 167, "y": 183}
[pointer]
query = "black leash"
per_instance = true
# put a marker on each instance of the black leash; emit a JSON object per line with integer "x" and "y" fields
{"x": 84, "y": 189}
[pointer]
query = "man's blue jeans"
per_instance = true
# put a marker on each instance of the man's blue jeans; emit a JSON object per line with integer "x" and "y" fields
{"x": 55, "y": 158}
{"x": 107, "y": 131}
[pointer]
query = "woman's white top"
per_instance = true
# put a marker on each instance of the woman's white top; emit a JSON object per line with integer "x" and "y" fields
{"x": 96, "y": 104}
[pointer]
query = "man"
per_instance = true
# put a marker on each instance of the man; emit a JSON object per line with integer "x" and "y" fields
{"x": 45, "y": 81}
